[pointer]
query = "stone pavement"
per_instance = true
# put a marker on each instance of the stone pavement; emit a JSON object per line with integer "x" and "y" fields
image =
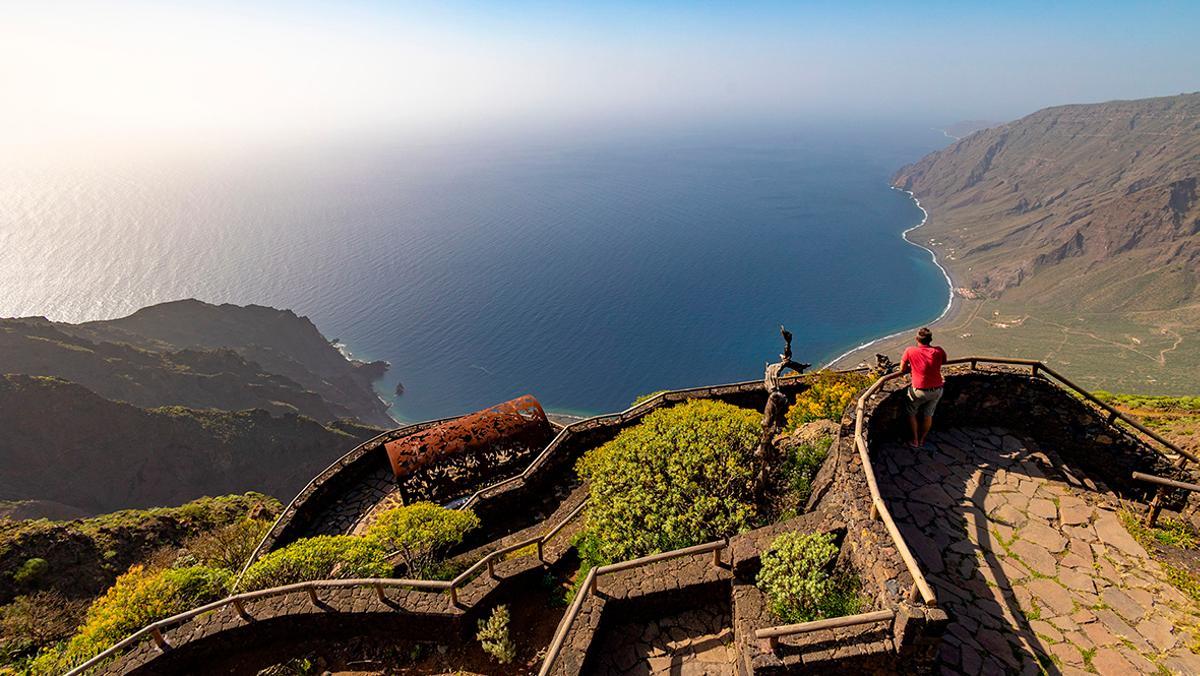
{"x": 692, "y": 642}
{"x": 1032, "y": 562}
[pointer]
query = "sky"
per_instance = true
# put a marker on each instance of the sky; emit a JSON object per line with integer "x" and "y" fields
{"x": 73, "y": 72}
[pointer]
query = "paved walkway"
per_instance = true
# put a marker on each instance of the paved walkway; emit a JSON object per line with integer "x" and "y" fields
{"x": 1033, "y": 565}
{"x": 698, "y": 642}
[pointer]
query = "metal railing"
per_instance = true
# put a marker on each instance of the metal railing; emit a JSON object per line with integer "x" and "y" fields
{"x": 238, "y": 601}
{"x": 1155, "y": 506}
{"x": 773, "y": 634}
{"x": 921, "y": 588}
{"x": 631, "y": 413}
{"x": 590, "y": 583}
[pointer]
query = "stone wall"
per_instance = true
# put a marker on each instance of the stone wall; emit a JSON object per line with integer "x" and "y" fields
{"x": 1038, "y": 408}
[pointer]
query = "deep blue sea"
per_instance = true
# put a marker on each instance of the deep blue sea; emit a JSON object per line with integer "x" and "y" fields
{"x": 585, "y": 270}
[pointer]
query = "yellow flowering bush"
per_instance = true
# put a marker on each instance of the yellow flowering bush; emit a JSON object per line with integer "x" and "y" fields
{"x": 420, "y": 532}
{"x": 827, "y": 398}
{"x": 323, "y": 557}
{"x": 136, "y": 599}
{"x": 680, "y": 477}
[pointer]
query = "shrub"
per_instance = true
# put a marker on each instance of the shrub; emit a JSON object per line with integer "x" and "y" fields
{"x": 136, "y": 599}
{"x": 227, "y": 547}
{"x": 494, "y": 637}
{"x": 796, "y": 575}
{"x": 36, "y": 621}
{"x": 827, "y": 398}
{"x": 679, "y": 478}
{"x": 31, "y": 572}
{"x": 801, "y": 466}
{"x": 318, "y": 558}
{"x": 421, "y": 532}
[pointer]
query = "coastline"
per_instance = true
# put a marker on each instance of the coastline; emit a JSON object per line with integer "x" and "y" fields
{"x": 934, "y": 258}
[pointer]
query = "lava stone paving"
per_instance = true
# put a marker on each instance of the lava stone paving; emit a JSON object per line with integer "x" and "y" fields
{"x": 1031, "y": 561}
{"x": 692, "y": 642}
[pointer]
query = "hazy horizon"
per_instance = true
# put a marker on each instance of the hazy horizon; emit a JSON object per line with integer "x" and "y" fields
{"x": 129, "y": 74}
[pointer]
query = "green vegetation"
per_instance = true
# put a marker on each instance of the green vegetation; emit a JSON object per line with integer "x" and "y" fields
{"x": 826, "y": 399}
{"x": 680, "y": 477}
{"x": 318, "y": 558}
{"x": 138, "y": 598}
{"x": 799, "y": 580}
{"x": 421, "y": 533}
{"x": 1167, "y": 531}
{"x": 647, "y": 397}
{"x": 494, "y": 636}
{"x": 801, "y": 464}
{"x": 227, "y": 547}
{"x": 215, "y": 536}
{"x": 31, "y": 572}
{"x": 33, "y": 622}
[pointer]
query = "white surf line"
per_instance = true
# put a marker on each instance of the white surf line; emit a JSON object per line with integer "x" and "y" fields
{"x": 933, "y": 256}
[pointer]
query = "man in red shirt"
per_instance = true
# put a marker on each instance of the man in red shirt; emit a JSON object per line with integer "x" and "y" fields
{"x": 924, "y": 361}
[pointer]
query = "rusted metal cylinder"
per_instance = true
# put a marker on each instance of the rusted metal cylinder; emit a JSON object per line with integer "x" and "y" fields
{"x": 520, "y": 421}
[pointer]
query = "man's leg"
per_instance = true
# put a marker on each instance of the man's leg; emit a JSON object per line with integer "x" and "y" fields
{"x": 916, "y": 432}
{"x": 926, "y": 425}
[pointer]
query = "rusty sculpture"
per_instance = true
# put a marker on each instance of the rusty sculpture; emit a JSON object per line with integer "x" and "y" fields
{"x": 774, "y": 414}
{"x": 462, "y": 451}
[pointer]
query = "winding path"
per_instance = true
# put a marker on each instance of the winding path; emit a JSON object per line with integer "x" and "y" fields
{"x": 1032, "y": 562}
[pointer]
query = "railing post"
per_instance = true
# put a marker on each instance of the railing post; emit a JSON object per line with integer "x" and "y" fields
{"x": 454, "y": 596}
{"x": 312, "y": 595}
{"x": 241, "y": 609}
{"x": 974, "y": 365}
{"x": 541, "y": 552}
{"x": 874, "y": 511}
{"x": 491, "y": 568}
{"x": 1155, "y": 508}
{"x": 159, "y": 639}
{"x": 379, "y": 592}
{"x": 716, "y": 558}
{"x": 1034, "y": 370}
{"x": 914, "y": 593}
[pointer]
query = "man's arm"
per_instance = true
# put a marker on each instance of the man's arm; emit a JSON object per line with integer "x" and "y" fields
{"x": 905, "y": 367}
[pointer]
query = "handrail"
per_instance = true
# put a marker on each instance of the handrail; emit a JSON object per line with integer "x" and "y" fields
{"x": 1163, "y": 481}
{"x": 590, "y": 582}
{"x": 775, "y": 633}
{"x": 631, "y": 411}
{"x": 155, "y": 629}
{"x": 560, "y": 633}
{"x": 878, "y": 507}
{"x": 1114, "y": 414}
{"x": 317, "y": 481}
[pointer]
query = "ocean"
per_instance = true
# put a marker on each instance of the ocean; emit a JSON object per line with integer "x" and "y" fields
{"x": 584, "y": 269}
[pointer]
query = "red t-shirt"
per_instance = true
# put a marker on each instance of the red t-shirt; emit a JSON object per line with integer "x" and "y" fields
{"x": 925, "y": 361}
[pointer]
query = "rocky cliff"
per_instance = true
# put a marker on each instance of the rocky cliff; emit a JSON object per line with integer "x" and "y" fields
{"x": 1077, "y": 226}
{"x": 189, "y": 353}
{"x": 64, "y": 444}
{"x": 1089, "y": 198}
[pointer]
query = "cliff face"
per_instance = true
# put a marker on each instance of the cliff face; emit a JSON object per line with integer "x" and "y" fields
{"x": 1086, "y": 199}
{"x": 1073, "y": 236}
{"x": 63, "y": 443}
{"x": 190, "y": 353}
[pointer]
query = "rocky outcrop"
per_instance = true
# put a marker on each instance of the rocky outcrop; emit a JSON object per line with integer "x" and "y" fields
{"x": 1083, "y": 198}
{"x": 190, "y": 353}
{"x": 84, "y": 556}
{"x": 65, "y": 444}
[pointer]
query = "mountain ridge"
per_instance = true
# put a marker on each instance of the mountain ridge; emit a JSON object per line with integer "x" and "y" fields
{"x": 1073, "y": 229}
